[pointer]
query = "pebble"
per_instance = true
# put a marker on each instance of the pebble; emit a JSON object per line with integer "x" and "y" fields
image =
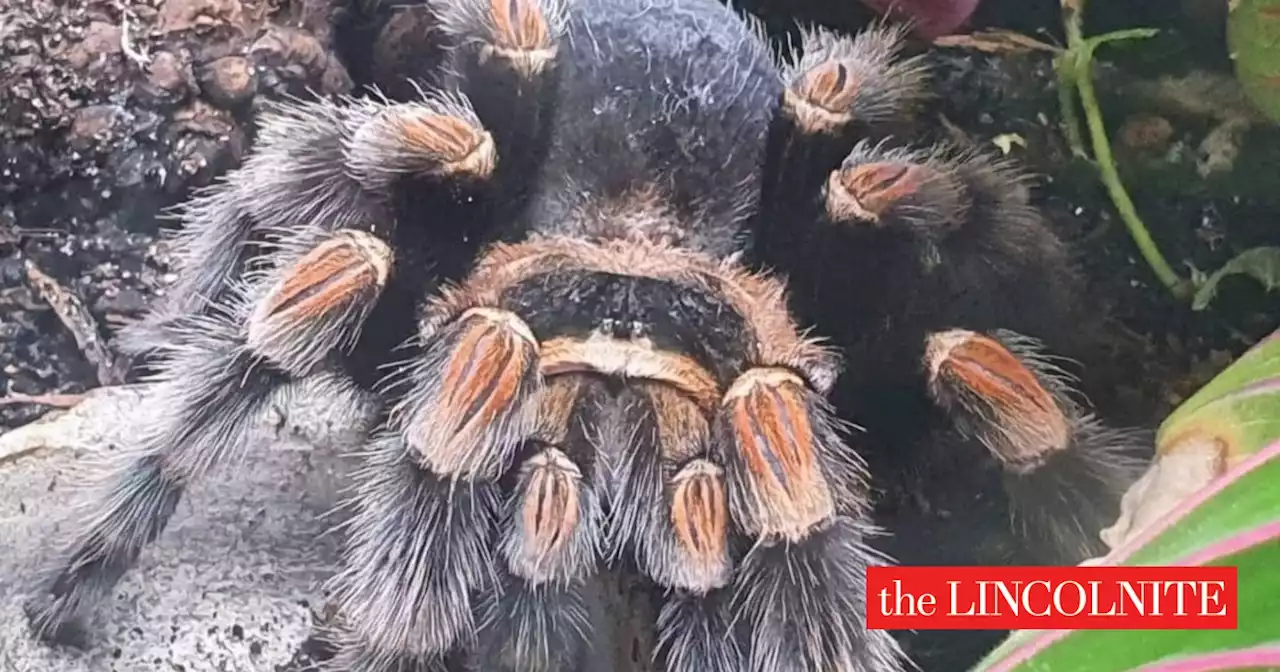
{"x": 1146, "y": 133}
{"x": 229, "y": 82}
{"x": 168, "y": 73}
{"x": 92, "y": 125}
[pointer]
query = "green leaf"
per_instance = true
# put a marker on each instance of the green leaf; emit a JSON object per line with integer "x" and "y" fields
{"x": 1211, "y": 497}
{"x": 1230, "y": 407}
{"x": 1083, "y": 55}
{"x": 1260, "y": 263}
{"x": 1253, "y": 35}
{"x": 1094, "y": 41}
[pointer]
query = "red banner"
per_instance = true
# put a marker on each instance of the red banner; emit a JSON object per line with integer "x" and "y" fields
{"x": 1051, "y": 598}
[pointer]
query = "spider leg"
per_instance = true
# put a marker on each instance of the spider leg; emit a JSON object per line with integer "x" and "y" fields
{"x": 798, "y": 490}
{"x": 417, "y": 547}
{"x": 667, "y": 505}
{"x": 1064, "y": 471}
{"x": 334, "y": 166}
{"x": 697, "y": 632}
{"x": 501, "y": 37}
{"x": 905, "y": 242}
{"x": 306, "y": 297}
{"x": 953, "y": 239}
{"x": 672, "y": 509}
{"x": 839, "y": 89}
{"x": 506, "y": 57}
{"x": 428, "y": 501}
{"x": 535, "y": 619}
{"x": 210, "y": 393}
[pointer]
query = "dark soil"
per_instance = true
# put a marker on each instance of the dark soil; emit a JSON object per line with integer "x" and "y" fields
{"x": 95, "y": 144}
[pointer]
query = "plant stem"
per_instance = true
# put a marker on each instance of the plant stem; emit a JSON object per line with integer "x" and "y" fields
{"x": 1066, "y": 66}
{"x": 1067, "y": 103}
{"x": 1119, "y": 196}
{"x": 1076, "y": 67}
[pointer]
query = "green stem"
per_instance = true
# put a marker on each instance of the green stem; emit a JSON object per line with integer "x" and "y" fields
{"x": 1067, "y": 103}
{"x": 1067, "y": 75}
{"x": 1076, "y": 66}
{"x": 1119, "y": 196}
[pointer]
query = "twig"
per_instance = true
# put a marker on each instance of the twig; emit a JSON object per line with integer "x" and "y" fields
{"x": 1075, "y": 68}
{"x": 73, "y": 315}
{"x": 141, "y": 58}
{"x": 53, "y": 400}
{"x": 996, "y": 42}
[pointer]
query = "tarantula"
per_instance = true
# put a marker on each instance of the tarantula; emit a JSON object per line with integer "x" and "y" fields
{"x": 560, "y": 253}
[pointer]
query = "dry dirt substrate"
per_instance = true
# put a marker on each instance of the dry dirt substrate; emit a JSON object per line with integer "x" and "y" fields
{"x": 107, "y": 117}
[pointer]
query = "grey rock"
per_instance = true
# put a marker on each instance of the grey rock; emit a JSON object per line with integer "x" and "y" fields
{"x": 232, "y": 583}
{"x": 235, "y": 583}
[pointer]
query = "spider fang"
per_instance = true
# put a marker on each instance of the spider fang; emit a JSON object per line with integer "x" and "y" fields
{"x": 700, "y": 517}
{"x": 321, "y": 299}
{"x": 1001, "y": 400}
{"x": 557, "y": 401}
{"x": 776, "y": 479}
{"x": 682, "y": 427}
{"x": 865, "y": 192}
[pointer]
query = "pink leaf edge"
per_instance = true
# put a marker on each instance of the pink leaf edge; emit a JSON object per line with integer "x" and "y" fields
{"x": 1182, "y": 510}
{"x": 1047, "y": 638}
{"x": 1258, "y": 657}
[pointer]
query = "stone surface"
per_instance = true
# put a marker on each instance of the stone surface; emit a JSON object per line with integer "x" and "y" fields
{"x": 236, "y": 581}
{"x": 230, "y": 586}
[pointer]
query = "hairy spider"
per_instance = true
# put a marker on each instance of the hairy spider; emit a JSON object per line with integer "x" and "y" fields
{"x": 561, "y": 249}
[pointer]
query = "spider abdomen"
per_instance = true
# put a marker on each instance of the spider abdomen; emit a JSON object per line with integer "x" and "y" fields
{"x": 665, "y": 98}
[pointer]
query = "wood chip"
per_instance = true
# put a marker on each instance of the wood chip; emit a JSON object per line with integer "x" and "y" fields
{"x": 76, "y": 318}
{"x": 53, "y": 400}
{"x": 997, "y": 42}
